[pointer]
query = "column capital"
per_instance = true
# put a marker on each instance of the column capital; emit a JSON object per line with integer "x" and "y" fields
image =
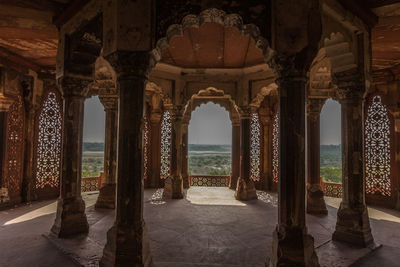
{"x": 350, "y": 86}
{"x": 109, "y": 102}
{"x": 73, "y": 86}
{"x": 245, "y": 112}
{"x": 155, "y": 117}
{"x": 314, "y": 106}
{"x": 130, "y": 65}
{"x": 286, "y": 70}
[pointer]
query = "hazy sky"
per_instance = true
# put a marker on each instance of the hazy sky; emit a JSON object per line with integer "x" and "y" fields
{"x": 210, "y": 124}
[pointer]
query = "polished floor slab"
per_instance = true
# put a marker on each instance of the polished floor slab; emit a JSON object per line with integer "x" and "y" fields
{"x": 208, "y": 228}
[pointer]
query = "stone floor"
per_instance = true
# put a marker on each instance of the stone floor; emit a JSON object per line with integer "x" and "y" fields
{"x": 208, "y": 228}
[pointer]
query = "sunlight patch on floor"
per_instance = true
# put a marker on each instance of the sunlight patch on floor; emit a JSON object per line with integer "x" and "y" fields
{"x": 202, "y": 195}
{"x": 89, "y": 198}
{"x": 376, "y": 213}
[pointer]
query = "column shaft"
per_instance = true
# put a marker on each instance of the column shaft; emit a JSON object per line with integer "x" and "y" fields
{"x": 315, "y": 195}
{"x": 174, "y": 184}
{"x": 292, "y": 246}
{"x": 352, "y": 224}
{"x": 106, "y": 198}
{"x": 28, "y": 182}
{"x": 245, "y": 189}
{"x": 3, "y": 126}
{"x": 155, "y": 150}
{"x": 235, "y": 156}
{"x": 267, "y": 154}
{"x": 185, "y": 152}
{"x": 396, "y": 169}
{"x": 71, "y": 217}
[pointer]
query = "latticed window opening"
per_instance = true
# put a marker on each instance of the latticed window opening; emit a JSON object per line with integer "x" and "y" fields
{"x": 275, "y": 148}
{"x": 49, "y": 143}
{"x": 255, "y": 147}
{"x": 377, "y": 149}
{"x": 146, "y": 143}
{"x": 15, "y": 148}
{"x": 166, "y": 136}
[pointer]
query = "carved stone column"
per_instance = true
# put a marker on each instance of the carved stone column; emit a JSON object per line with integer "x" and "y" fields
{"x": 3, "y": 126}
{"x": 185, "y": 152}
{"x": 352, "y": 224}
{"x": 174, "y": 184}
{"x": 71, "y": 217}
{"x": 245, "y": 189}
{"x": 315, "y": 195}
{"x": 266, "y": 175}
{"x": 235, "y": 154}
{"x": 127, "y": 243}
{"x": 292, "y": 245}
{"x": 28, "y": 182}
{"x": 155, "y": 149}
{"x": 106, "y": 198}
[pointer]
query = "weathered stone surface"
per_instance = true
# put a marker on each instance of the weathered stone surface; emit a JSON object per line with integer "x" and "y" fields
{"x": 126, "y": 239}
{"x": 107, "y": 196}
{"x": 71, "y": 218}
{"x": 245, "y": 189}
{"x": 315, "y": 195}
{"x": 235, "y": 155}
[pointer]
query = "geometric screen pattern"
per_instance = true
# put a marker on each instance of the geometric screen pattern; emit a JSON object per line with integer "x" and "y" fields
{"x": 146, "y": 139}
{"x": 13, "y": 170}
{"x": 275, "y": 148}
{"x": 255, "y": 148}
{"x": 377, "y": 149}
{"x": 49, "y": 143}
{"x": 166, "y": 138}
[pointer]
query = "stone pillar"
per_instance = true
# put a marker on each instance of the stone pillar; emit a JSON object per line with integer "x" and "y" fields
{"x": 266, "y": 175}
{"x": 235, "y": 154}
{"x": 174, "y": 184}
{"x": 245, "y": 189}
{"x": 71, "y": 217}
{"x": 28, "y": 182}
{"x": 155, "y": 149}
{"x": 127, "y": 239}
{"x": 3, "y": 135}
{"x": 315, "y": 194}
{"x": 106, "y": 198}
{"x": 291, "y": 245}
{"x": 352, "y": 224}
{"x": 185, "y": 153}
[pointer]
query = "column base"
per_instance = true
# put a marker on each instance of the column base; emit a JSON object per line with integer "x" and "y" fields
{"x": 245, "y": 190}
{"x": 70, "y": 219}
{"x": 126, "y": 246}
{"x": 186, "y": 183}
{"x": 315, "y": 200}
{"x": 173, "y": 188}
{"x": 292, "y": 246}
{"x": 106, "y": 198}
{"x": 353, "y": 227}
{"x": 233, "y": 183}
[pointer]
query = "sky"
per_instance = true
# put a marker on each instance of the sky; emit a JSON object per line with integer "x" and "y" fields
{"x": 209, "y": 124}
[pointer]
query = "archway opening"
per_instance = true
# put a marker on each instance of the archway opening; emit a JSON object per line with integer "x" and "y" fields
{"x": 331, "y": 148}
{"x": 209, "y": 146}
{"x": 93, "y": 144}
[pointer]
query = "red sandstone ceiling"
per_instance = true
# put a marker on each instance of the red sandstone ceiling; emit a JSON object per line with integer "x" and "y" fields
{"x": 212, "y": 46}
{"x": 27, "y": 32}
{"x": 386, "y": 37}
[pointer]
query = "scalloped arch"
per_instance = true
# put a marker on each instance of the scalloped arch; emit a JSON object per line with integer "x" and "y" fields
{"x": 216, "y": 16}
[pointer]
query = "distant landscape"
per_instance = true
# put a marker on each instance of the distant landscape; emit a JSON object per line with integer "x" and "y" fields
{"x": 214, "y": 160}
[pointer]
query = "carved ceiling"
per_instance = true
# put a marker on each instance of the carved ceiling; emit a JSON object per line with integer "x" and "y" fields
{"x": 386, "y": 37}
{"x": 212, "y": 46}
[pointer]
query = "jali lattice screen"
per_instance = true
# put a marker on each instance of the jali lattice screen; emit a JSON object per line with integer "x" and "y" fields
{"x": 14, "y": 158}
{"x": 166, "y": 138}
{"x": 255, "y": 147}
{"x": 49, "y": 143}
{"x": 275, "y": 148}
{"x": 377, "y": 149}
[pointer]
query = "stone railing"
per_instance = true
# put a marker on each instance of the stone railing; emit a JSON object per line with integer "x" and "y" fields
{"x": 209, "y": 180}
{"x": 332, "y": 189}
{"x": 89, "y": 184}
